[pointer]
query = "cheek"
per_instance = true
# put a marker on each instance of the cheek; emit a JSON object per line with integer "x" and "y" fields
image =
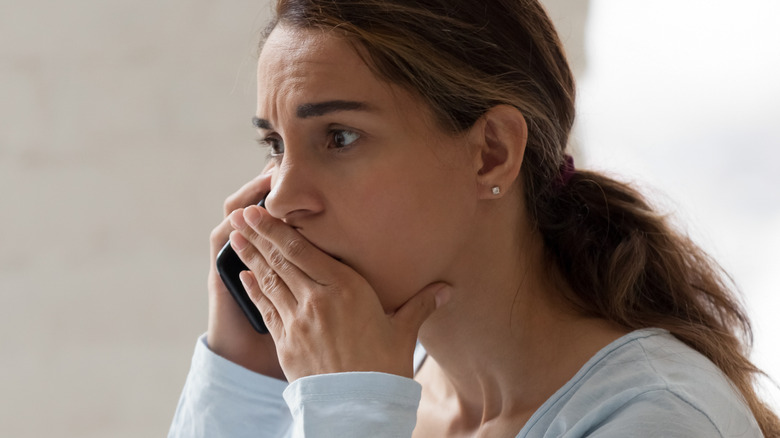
{"x": 408, "y": 230}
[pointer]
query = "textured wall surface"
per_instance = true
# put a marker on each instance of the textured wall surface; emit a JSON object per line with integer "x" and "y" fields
{"x": 124, "y": 126}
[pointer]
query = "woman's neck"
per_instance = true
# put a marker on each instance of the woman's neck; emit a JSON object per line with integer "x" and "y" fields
{"x": 506, "y": 341}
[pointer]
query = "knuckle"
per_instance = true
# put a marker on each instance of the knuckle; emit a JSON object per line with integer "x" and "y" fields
{"x": 286, "y": 268}
{"x": 314, "y": 305}
{"x": 337, "y": 291}
{"x": 309, "y": 306}
{"x": 269, "y": 282}
{"x": 300, "y": 326}
{"x": 215, "y": 234}
{"x": 266, "y": 309}
{"x": 269, "y": 316}
{"x": 295, "y": 247}
{"x": 230, "y": 204}
{"x": 218, "y": 236}
{"x": 276, "y": 259}
{"x": 287, "y": 355}
{"x": 265, "y": 245}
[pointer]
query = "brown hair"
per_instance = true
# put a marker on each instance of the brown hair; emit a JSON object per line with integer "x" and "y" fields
{"x": 623, "y": 261}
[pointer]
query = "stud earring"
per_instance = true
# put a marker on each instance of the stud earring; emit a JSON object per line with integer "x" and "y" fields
{"x": 496, "y": 190}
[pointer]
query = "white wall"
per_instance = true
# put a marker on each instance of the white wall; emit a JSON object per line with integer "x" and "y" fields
{"x": 683, "y": 97}
{"x": 123, "y": 126}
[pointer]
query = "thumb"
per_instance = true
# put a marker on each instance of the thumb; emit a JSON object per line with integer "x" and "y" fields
{"x": 419, "y": 307}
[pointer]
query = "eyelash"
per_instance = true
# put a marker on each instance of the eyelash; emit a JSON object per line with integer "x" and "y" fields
{"x": 332, "y": 135}
{"x": 271, "y": 142}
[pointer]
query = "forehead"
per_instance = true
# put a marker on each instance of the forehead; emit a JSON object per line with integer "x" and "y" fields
{"x": 308, "y": 65}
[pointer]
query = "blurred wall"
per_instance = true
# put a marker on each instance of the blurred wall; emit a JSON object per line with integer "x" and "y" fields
{"x": 124, "y": 126}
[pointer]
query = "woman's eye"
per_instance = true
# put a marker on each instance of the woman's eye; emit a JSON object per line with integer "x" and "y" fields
{"x": 276, "y": 145}
{"x": 343, "y": 138}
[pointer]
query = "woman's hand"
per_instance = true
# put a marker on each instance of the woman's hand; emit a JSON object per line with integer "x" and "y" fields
{"x": 230, "y": 334}
{"x": 323, "y": 316}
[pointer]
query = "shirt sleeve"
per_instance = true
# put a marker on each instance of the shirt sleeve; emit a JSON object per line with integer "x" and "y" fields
{"x": 221, "y": 398}
{"x": 345, "y": 405}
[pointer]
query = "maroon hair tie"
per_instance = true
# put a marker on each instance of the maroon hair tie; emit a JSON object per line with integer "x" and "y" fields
{"x": 567, "y": 169}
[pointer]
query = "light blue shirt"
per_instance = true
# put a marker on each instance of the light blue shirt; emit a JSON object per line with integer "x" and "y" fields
{"x": 645, "y": 384}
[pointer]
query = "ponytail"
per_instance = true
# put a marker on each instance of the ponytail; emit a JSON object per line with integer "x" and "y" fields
{"x": 625, "y": 263}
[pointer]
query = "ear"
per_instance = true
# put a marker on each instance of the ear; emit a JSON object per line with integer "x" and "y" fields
{"x": 500, "y": 137}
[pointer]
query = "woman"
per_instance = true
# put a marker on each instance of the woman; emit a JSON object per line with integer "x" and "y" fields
{"x": 418, "y": 189}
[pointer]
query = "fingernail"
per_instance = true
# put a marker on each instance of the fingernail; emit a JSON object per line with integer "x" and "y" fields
{"x": 237, "y": 219}
{"x": 252, "y": 216}
{"x": 442, "y": 296}
{"x": 237, "y": 241}
{"x": 246, "y": 278}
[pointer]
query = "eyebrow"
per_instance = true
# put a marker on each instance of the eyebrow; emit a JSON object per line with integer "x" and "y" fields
{"x": 321, "y": 108}
{"x": 261, "y": 123}
{"x": 317, "y": 109}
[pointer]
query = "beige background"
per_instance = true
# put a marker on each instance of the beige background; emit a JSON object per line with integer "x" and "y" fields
{"x": 124, "y": 126}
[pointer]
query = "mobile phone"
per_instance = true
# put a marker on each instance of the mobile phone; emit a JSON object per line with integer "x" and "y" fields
{"x": 229, "y": 265}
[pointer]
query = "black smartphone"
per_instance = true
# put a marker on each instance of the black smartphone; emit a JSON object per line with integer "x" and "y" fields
{"x": 228, "y": 267}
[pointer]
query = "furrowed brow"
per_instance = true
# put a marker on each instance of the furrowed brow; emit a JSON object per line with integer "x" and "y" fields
{"x": 317, "y": 109}
{"x": 321, "y": 108}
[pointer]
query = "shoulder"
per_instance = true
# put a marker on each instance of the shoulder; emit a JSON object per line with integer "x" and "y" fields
{"x": 646, "y": 383}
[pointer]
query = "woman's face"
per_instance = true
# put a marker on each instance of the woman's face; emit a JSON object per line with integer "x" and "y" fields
{"x": 360, "y": 167}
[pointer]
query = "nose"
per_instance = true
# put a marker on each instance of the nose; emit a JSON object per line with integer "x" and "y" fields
{"x": 295, "y": 193}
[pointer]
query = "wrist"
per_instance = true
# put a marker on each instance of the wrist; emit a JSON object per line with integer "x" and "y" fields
{"x": 257, "y": 355}
{"x": 231, "y": 336}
